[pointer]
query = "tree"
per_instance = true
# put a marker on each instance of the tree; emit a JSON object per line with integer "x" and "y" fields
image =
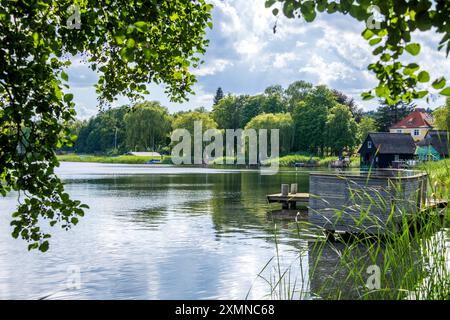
{"x": 442, "y": 116}
{"x": 392, "y": 37}
{"x": 342, "y": 98}
{"x": 104, "y": 133}
{"x": 274, "y": 90}
{"x": 310, "y": 117}
{"x": 75, "y": 126}
{"x": 273, "y": 104}
{"x": 388, "y": 115}
{"x": 148, "y": 126}
{"x": 252, "y": 106}
{"x": 188, "y": 119}
{"x": 218, "y": 96}
{"x": 129, "y": 43}
{"x": 296, "y": 92}
{"x": 227, "y": 113}
{"x": 341, "y": 129}
{"x": 281, "y": 121}
{"x": 365, "y": 126}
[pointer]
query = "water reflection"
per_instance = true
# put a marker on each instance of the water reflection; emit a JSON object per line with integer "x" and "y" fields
{"x": 154, "y": 232}
{"x": 159, "y": 232}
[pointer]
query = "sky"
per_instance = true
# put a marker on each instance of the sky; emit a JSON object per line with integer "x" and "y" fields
{"x": 245, "y": 56}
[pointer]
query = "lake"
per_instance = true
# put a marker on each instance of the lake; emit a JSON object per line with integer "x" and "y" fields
{"x": 156, "y": 232}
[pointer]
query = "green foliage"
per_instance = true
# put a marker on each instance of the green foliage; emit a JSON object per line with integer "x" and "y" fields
{"x": 442, "y": 116}
{"x": 219, "y": 96}
{"x": 388, "y": 115}
{"x": 291, "y": 160}
{"x": 392, "y": 39}
{"x": 188, "y": 119}
{"x": 367, "y": 124}
{"x": 310, "y": 117}
{"x": 296, "y": 92}
{"x": 104, "y": 133}
{"x": 227, "y": 113}
{"x": 341, "y": 129}
{"x": 148, "y": 126}
{"x": 129, "y": 44}
{"x": 234, "y": 112}
{"x": 124, "y": 159}
{"x": 281, "y": 121}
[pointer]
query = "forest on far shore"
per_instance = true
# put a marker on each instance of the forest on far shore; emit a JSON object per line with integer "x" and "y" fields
{"x": 313, "y": 120}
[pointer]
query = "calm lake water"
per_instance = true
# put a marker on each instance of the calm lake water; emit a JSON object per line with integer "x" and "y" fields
{"x": 156, "y": 232}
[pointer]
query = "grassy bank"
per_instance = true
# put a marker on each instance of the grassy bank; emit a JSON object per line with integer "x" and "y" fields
{"x": 439, "y": 171}
{"x": 284, "y": 162}
{"x": 124, "y": 159}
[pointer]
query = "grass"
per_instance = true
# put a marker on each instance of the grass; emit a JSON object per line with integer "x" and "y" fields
{"x": 285, "y": 161}
{"x": 291, "y": 160}
{"x": 409, "y": 259}
{"x": 124, "y": 159}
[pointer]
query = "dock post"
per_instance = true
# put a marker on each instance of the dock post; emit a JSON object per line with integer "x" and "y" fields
{"x": 284, "y": 189}
{"x": 294, "y": 188}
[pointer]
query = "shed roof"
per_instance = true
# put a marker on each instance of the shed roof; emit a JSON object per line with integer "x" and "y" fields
{"x": 439, "y": 140}
{"x": 392, "y": 143}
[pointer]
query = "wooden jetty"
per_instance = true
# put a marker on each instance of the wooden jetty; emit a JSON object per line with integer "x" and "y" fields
{"x": 290, "y": 200}
{"x": 357, "y": 202}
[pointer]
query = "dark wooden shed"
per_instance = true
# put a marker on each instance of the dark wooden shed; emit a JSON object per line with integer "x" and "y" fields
{"x": 381, "y": 149}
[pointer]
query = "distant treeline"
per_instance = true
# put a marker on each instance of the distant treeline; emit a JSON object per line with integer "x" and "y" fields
{"x": 312, "y": 120}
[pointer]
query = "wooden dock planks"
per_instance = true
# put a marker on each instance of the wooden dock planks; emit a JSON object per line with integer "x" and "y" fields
{"x": 289, "y": 201}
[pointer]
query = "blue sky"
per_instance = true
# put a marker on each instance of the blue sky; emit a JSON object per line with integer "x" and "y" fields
{"x": 245, "y": 56}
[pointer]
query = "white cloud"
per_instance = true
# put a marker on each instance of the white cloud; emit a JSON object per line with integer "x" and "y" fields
{"x": 282, "y": 60}
{"x": 326, "y": 72}
{"x": 246, "y": 56}
{"x": 212, "y": 67}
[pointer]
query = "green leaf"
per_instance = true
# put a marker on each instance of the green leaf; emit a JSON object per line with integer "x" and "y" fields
{"x": 130, "y": 43}
{"x": 33, "y": 246}
{"x": 308, "y": 10}
{"x": 269, "y": 3}
{"x": 375, "y": 41}
{"x": 142, "y": 25}
{"x": 439, "y": 83}
{"x": 367, "y": 34}
{"x": 288, "y": 9}
{"x": 421, "y": 94}
{"x": 413, "y": 48}
{"x": 44, "y": 246}
{"x": 424, "y": 76}
{"x": 445, "y": 92}
{"x": 68, "y": 97}
{"x": 64, "y": 76}
{"x": 35, "y": 39}
{"x": 367, "y": 96}
{"x": 275, "y": 11}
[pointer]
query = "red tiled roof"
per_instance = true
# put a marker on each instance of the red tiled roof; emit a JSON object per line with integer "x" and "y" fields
{"x": 417, "y": 119}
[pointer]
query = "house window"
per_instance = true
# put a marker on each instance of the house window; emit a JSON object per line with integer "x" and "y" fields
{"x": 369, "y": 144}
{"x": 416, "y": 132}
{"x": 399, "y": 131}
{"x": 397, "y": 157}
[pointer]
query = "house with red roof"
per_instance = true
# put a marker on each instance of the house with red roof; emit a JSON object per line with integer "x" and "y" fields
{"x": 417, "y": 124}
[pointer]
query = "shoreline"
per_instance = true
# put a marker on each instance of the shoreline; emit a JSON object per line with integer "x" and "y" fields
{"x": 287, "y": 161}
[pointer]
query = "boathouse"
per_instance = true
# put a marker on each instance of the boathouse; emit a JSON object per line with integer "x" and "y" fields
{"x": 365, "y": 202}
{"x": 382, "y": 149}
{"x": 434, "y": 146}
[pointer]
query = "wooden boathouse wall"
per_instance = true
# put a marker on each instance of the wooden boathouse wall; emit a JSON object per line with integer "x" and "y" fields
{"x": 362, "y": 202}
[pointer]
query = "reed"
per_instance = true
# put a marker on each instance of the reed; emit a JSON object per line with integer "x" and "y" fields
{"x": 408, "y": 259}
